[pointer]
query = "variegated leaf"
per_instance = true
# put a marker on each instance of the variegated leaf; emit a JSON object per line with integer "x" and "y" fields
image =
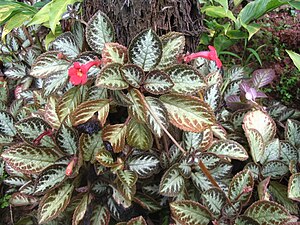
{"x": 272, "y": 151}
{"x": 100, "y": 187}
{"x": 214, "y": 78}
{"x": 233, "y": 88}
{"x": 4, "y": 92}
{"x": 105, "y": 158}
{"x": 223, "y": 170}
{"x": 114, "y": 53}
{"x": 51, "y": 114}
{"x": 139, "y": 135}
{"x": 207, "y": 139}
{"x": 191, "y": 140}
{"x": 146, "y": 202}
{"x": 55, "y": 82}
{"x": 188, "y": 113}
{"x": 241, "y": 187}
{"x": 237, "y": 118}
{"x": 133, "y": 74}
{"x": 99, "y": 31}
{"x": 275, "y": 169}
{"x": 65, "y": 44}
{"x": 145, "y": 165}
{"x": 87, "y": 57}
{"x": 30, "y": 130}
{"x": 95, "y": 93}
{"x": 100, "y": 215}
{"x": 292, "y": 132}
{"x": 87, "y": 109}
{"x": 214, "y": 200}
{"x": 262, "y": 77}
{"x": 110, "y": 77}
{"x": 212, "y": 96}
{"x": 219, "y": 131}
{"x": 67, "y": 139}
{"x": 125, "y": 191}
{"x": 15, "y": 106}
{"x": 48, "y": 64}
{"x": 145, "y": 50}
{"x": 210, "y": 160}
{"x": 50, "y": 178}
{"x": 120, "y": 197}
{"x": 172, "y": 182}
{"x": 157, "y": 82}
{"x": 120, "y": 98}
{"x": 268, "y": 213}
{"x": 232, "y": 209}
{"x": 230, "y": 149}
{"x": 3, "y": 106}
{"x": 28, "y": 188}
{"x": 7, "y": 122}
{"x": 15, "y": 181}
{"x": 190, "y": 213}
{"x": 256, "y": 143}
{"x": 78, "y": 32}
{"x": 54, "y": 202}
{"x": 254, "y": 168}
{"x": 294, "y": 187}
{"x": 81, "y": 209}
{"x": 245, "y": 220}
{"x": 173, "y": 45}
{"x": 19, "y": 199}
{"x": 186, "y": 79}
{"x": 27, "y": 159}
{"x": 262, "y": 122}
{"x": 90, "y": 145}
{"x": 236, "y": 73}
{"x": 288, "y": 152}
{"x": 127, "y": 177}
{"x": 160, "y": 117}
{"x": 115, "y": 134}
{"x": 137, "y": 110}
{"x": 137, "y": 221}
{"x": 5, "y": 140}
{"x": 17, "y": 71}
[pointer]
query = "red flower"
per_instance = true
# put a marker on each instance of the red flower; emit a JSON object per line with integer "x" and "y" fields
{"x": 210, "y": 55}
{"x": 78, "y": 72}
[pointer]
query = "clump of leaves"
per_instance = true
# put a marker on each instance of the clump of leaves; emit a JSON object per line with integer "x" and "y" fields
{"x": 140, "y": 137}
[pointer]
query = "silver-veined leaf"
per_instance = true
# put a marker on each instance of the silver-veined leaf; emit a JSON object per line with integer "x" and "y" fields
{"x": 207, "y": 139}
{"x": 54, "y": 202}
{"x": 172, "y": 182}
{"x": 78, "y": 32}
{"x": 105, "y": 158}
{"x": 139, "y": 135}
{"x": 241, "y": 187}
{"x": 65, "y": 44}
{"x": 67, "y": 139}
{"x": 27, "y": 159}
{"x": 48, "y": 64}
{"x": 191, "y": 140}
{"x": 95, "y": 93}
{"x": 288, "y": 152}
{"x": 214, "y": 200}
{"x": 268, "y": 213}
{"x": 127, "y": 177}
{"x": 188, "y": 113}
{"x": 233, "y": 88}
{"x": 274, "y": 169}
{"x": 51, "y": 114}
{"x": 19, "y": 199}
{"x": 294, "y": 187}
{"x": 157, "y": 82}
{"x": 145, "y": 165}
{"x": 99, "y": 31}
{"x": 137, "y": 110}
{"x": 81, "y": 209}
{"x": 173, "y": 45}
{"x": 146, "y": 202}
{"x": 262, "y": 77}
{"x": 110, "y": 77}
{"x": 219, "y": 131}
{"x": 90, "y": 145}
{"x": 87, "y": 109}
{"x": 100, "y": 215}
{"x": 292, "y": 132}
{"x": 236, "y": 73}
{"x": 212, "y": 96}
{"x": 87, "y": 57}
{"x": 254, "y": 168}
{"x": 145, "y": 50}
{"x": 228, "y": 148}
{"x": 7, "y": 124}
{"x": 190, "y": 213}
{"x": 50, "y": 178}
{"x": 137, "y": 221}
{"x": 55, "y": 82}
{"x": 120, "y": 98}
{"x": 133, "y": 74}
{"x": 28, "y": 188}
{"x": 114, "y": 53}
{"x": 272, "y": 151}
{"x": 256, "y": 143}
{"x": 15, "y": 181}
{"x": 115, "y": 134}
{"x": 245, "y": 220}
{"x": 186, "y": 79}
{"x": 214, "y": 78}
{"x": 17, "y": 71}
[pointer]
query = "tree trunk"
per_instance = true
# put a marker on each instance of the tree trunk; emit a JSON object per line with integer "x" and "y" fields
{"x": 132, "y": 16}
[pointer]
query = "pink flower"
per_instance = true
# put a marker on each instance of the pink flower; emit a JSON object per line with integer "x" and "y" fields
{"x": 210, "y": 55}
{"x": 78, "y": 72}
{"x": 69, "y": 169}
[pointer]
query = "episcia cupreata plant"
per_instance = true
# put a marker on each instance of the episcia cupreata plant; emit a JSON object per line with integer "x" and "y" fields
{"x": 142, "y": 135}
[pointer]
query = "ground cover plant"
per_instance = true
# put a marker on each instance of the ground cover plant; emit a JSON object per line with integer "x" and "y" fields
{"x": 94, "y": 132}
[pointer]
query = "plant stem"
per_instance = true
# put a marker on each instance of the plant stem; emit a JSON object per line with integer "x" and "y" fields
{"x": 207, "y": 174}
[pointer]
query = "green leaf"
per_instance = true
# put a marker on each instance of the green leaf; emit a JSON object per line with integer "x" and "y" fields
{"x": 230, "y": 149}
{"x": 99, "y": 31}
{"x": 218, "y": 12}
{"x": 81, "y": 209}
{"x": 186, "y": 79}
{"x": 268, "y": 213}
{"x": 145, "y": 165}
{"x": 95, "y": 93}
{"x": 256, "y": 143}
{"x": 67, "y": 139}
{"x": 3, "y": 92}
{"x": 173, "y": 45}
{"x": 161, "y": 116}
{"x": 145, "y": 50}
{"x": 245, "y": 220}
{"x": 42, "y": 16}
{"x": 127, "y": 177}
{"x": 190, "y": 213}
{"x": 100, "y": 215}
{"x": 288, "y": 152}
{"x": 90, "y": 145}
{"x": 29, "y": 160}
{"x": 157, "y": 82}
{"x": 110, "y": 77}
{"x": 105, "y": 158}
{"x": 271, "y": 152}
{"x": 137, "y": 221}
{"x": 7, "y": 124}
{"x": 137, "y": 110}
{"x": 274, "y": 169}
{"x": 87, "y": 109}
{"x": 65, "y": 44}
{"x": 55, "y": 202}
{"x": 172, "y": 182}
{"x": 115, "y": 134}
{"x": 133, "y": 75}
{"x": 294, "y": 187}
{"x": 19, "y": 199}
{"x": 295, "y": 57}
{"x": 50, "y": 178}
{"x": 139, "y": 135}
{"x": 292, "y": 132}
{"x": 241, "y": 187}
{"x": 252, "y": 29}
{"x": 188, "y": 113}
{"x": 146, "y": 202}
{"x": 214, "y": 200}
{"x": 48, "y": 64}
